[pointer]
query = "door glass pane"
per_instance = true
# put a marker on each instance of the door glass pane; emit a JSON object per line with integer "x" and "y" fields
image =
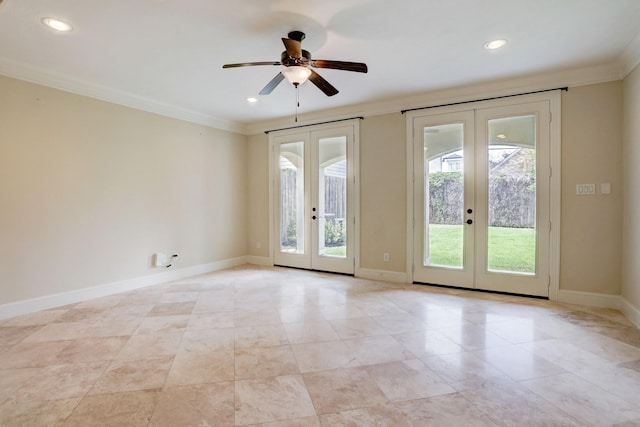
{"x": 443, "y": 195}
{"x": 332, "y": 197}
{"x": 292, "y": 197}
{"x": 512, "y": 195}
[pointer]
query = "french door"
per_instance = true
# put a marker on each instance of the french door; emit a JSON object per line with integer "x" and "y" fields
{"x": 481, "y": 202}
{"x": 313, "y": 215}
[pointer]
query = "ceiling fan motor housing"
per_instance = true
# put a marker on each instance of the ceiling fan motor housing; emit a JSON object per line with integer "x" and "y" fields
{"x": 288, "y": 61}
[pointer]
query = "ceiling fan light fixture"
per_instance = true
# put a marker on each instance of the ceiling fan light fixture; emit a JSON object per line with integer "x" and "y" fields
{"x": 296, "y": 74}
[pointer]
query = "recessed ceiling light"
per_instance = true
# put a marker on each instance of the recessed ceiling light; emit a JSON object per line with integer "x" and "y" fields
{"x": 56, "y": 24}
{"x": 252, "y": 100}
{"x": 495, "y": 44}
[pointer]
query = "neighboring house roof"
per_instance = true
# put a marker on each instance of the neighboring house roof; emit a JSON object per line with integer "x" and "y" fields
{"x": 520, "y": 161}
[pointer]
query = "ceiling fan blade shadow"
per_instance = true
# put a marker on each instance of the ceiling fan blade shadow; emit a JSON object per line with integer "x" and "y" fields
{"x": 294, "y": 47}
{"x": 272, "y": 84}
{"x": 358, "y": 67}
{"x": 250, "y": 64}
{"x": 322, "y": 84}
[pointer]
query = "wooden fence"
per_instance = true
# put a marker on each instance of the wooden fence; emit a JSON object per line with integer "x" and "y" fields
{"x": 512, "y": 200}
{"x": 335, "y": 208}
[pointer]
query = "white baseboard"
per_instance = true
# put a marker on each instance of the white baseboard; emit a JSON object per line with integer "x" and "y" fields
{"x": 601, "y": 300}
{"x": 632, "y": 312}
{"x": 590, "y": 298}
{"x": 259, "y": 260}
{"x": 386, "y": 276}
{"x": 60, "y": 299}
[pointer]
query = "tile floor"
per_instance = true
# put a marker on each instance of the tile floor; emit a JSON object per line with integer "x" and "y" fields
{"x": 278, "y": 347}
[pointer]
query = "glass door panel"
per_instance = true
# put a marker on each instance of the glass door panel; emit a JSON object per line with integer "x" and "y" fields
{"x": 291, "y": 160}
{"x": 332, "y": 197}
{"x": 443, "y": 195}
{"x": 511, "y": 232}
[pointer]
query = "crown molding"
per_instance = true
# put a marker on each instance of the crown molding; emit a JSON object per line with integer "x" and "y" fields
{"x": 630, "y": 57}
{"x": 21, "y": 71}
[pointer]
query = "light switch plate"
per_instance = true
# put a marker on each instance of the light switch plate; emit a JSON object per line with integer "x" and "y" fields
{"x": 605, "y": 188}
{"x": 585, "y": 189}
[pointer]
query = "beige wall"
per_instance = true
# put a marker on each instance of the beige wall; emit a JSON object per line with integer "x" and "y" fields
{"x": 591, "y": 240}
{"x": 383, "y": 198}
{"x": 591, "y": 234}
{"x": 258, "y": 167}
{"x": 90, "y": 190}
{"x": 631, "y": 212}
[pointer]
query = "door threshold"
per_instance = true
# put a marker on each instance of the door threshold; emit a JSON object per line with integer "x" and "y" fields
{"x": 315, "y": 271}
{"x": 487, "y": 291}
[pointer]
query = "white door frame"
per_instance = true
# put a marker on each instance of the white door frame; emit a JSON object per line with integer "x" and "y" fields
{"x": 554, "y": 98}
{"x": 354, "y": 196}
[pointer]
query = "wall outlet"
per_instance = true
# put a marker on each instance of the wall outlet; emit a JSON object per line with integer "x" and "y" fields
{"x": 161, "y": 260}
{"x": 258, "y": 245}
{"x": 385, "y": 256}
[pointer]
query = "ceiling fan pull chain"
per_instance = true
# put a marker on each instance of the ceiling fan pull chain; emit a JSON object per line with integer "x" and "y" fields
{"x": 297, "y": 100}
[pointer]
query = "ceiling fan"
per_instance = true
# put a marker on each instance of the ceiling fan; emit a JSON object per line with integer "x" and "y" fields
{"x": 298, "y": 65}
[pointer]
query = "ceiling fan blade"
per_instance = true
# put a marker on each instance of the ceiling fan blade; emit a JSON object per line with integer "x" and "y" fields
{"x": 322, "y": 84}
{"x": 272, "y": 84}
{"x": 250, "y": 64}
{"x": 358, "y": 67}
{"x": 294, "y": 47}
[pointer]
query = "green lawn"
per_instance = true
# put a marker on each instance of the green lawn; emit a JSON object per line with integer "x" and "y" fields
{"x": 335, "y": 250}
{"x": 510, "y": 249}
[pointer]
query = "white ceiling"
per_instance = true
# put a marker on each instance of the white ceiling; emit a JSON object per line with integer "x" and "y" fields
{"x": 167, "y": 55}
